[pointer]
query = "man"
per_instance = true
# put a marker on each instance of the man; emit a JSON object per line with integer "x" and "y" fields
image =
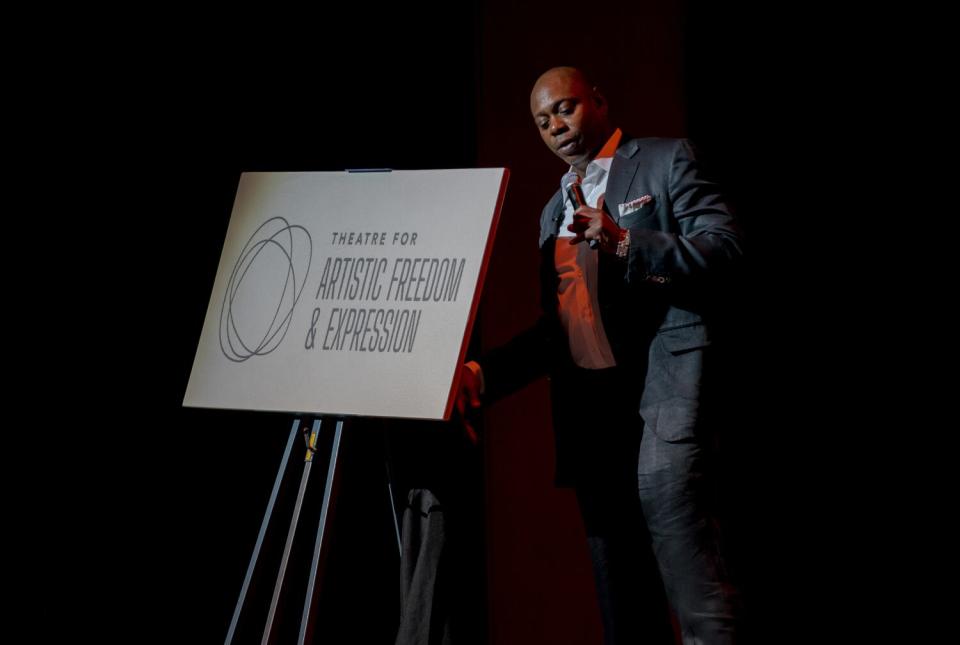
{"x": 628, "y": 280}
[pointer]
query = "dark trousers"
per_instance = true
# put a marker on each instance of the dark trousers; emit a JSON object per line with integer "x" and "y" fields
{"x": 648, "y": 509}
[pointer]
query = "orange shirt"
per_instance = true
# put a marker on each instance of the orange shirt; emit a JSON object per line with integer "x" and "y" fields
{"x": 577, "y": 268}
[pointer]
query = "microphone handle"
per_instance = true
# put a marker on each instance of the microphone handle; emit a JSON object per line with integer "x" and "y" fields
{"x": 575, "y": 194}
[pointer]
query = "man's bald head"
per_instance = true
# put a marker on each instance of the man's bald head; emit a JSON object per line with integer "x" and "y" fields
{"x": 570, "y": 114}
{"x": 570, "y": 76}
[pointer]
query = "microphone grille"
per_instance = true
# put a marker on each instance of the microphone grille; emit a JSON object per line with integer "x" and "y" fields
{"x": 569, "y": 179}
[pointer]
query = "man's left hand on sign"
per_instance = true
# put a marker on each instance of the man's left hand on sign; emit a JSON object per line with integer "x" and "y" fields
{"x": 468, "y": 398}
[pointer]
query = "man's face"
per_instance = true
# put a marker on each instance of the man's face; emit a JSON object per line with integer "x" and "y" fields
{"x": 571, "y": 119}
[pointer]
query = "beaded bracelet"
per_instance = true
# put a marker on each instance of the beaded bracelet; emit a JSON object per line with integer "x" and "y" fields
{"x": 623, "y": 246}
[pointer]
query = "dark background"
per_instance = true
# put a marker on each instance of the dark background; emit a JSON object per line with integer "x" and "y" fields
{"x": 206, "y": 98}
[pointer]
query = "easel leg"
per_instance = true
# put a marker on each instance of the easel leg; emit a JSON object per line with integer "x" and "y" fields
{"x": 304, "y": 480}
{"x": 393, "y": 511}
{"x": 263, "y": 531}
{"x": 318, "y": 545}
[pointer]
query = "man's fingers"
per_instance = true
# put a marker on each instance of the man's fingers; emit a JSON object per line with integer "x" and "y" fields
{"x": 471, "y": 433}
{"x": 578, "y": 225}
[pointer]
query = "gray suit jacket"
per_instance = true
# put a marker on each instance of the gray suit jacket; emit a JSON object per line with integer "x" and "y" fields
{"x": 656, "y": 305}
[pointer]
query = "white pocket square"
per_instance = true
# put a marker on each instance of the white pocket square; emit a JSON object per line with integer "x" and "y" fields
{"x": 634, "y": 205}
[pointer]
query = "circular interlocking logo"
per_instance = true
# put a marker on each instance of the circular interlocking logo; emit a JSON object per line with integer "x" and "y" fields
{"x": 275, "y": 259}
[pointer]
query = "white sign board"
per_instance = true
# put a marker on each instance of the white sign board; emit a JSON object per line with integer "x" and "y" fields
{"x": 347, "y": 293}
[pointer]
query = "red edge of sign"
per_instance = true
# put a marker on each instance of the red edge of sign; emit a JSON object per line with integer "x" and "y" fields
{"x": 452, "y": 397}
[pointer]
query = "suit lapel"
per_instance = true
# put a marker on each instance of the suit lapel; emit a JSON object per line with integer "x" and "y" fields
{"x": 551, "y": 227}
{"x": 623, "y": 169}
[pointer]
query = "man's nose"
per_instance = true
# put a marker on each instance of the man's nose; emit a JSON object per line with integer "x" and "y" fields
{"x": 557, "y": 125}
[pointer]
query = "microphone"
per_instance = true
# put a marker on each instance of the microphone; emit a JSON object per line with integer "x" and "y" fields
{"x": 575, "y": 195}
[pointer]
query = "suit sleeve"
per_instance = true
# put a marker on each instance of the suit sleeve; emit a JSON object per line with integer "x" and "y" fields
{"x": 522, "y": 360}
{"x": 704, "y": 236}
{"x": 531, "y": 353}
